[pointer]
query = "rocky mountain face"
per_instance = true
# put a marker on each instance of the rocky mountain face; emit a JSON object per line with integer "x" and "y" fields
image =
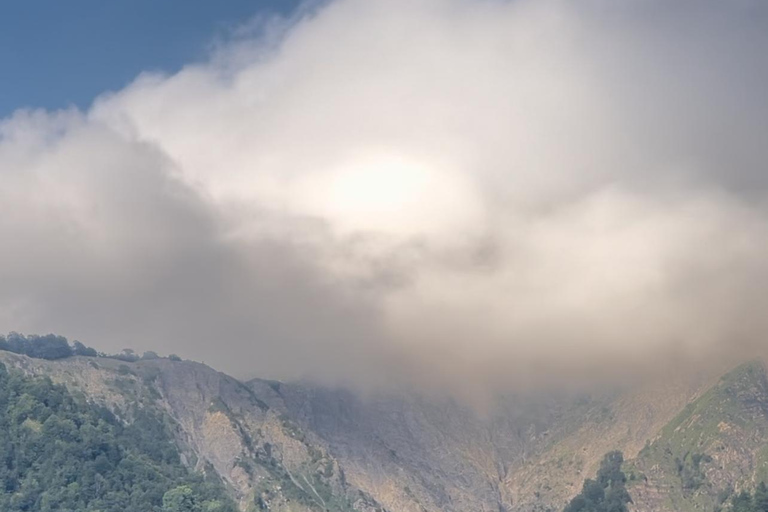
{"x": 531, "y": 453}
{"x": 688, "y": 442}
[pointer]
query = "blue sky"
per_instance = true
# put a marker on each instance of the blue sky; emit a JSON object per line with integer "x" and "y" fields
{"x": 56, "y": 53}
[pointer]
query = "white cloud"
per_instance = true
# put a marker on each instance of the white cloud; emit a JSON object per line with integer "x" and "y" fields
{"x": 460, "y": 186}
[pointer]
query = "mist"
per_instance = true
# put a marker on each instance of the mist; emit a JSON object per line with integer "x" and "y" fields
{"x": 445, "y": 192}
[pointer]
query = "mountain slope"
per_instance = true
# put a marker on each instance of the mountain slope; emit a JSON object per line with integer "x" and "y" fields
{"x": 531, "y": 453}
{"x": 717, "y": 443}
{"x": 298, "y": 447}
{"x": 60, "y": 453}
{"x": 268, "y": 462}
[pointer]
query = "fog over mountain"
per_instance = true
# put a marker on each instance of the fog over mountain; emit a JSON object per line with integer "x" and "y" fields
{"x": 436, "y": 190}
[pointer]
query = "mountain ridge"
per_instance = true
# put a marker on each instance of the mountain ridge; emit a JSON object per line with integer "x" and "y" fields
{"x": 299, "y": 447}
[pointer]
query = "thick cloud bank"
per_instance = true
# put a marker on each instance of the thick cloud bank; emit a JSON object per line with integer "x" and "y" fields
{"x": 448, "y": 190}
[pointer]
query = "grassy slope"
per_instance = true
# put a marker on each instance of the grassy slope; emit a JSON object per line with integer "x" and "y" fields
{"x": 715, "y": 443}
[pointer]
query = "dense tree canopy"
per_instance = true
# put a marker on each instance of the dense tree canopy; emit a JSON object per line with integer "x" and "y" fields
{"x": 607, "y": 493}
{"x": 52, "y": 346}
{"x": 58, "y": 453}
{"x": 49, "y": 346}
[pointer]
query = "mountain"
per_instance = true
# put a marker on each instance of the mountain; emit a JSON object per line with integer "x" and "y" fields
{"x": 717, "y": 443}
{"x": 531, "y": 453}
{"x": 219, "y": 424}
{"x": 689, "y": 442}
{"x": 59, "y": 452}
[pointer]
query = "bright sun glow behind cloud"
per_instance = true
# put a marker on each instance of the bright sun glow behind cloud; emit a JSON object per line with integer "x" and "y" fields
{"x": 387, "y": 194}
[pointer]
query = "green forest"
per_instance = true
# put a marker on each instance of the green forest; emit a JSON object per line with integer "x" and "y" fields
{"x": 53, "y": 346}
{"x": 60, "y": 453}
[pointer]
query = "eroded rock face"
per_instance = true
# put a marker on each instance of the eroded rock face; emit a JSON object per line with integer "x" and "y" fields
{"x": 292, "y": 447}
{"x": 531, "y": 453}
